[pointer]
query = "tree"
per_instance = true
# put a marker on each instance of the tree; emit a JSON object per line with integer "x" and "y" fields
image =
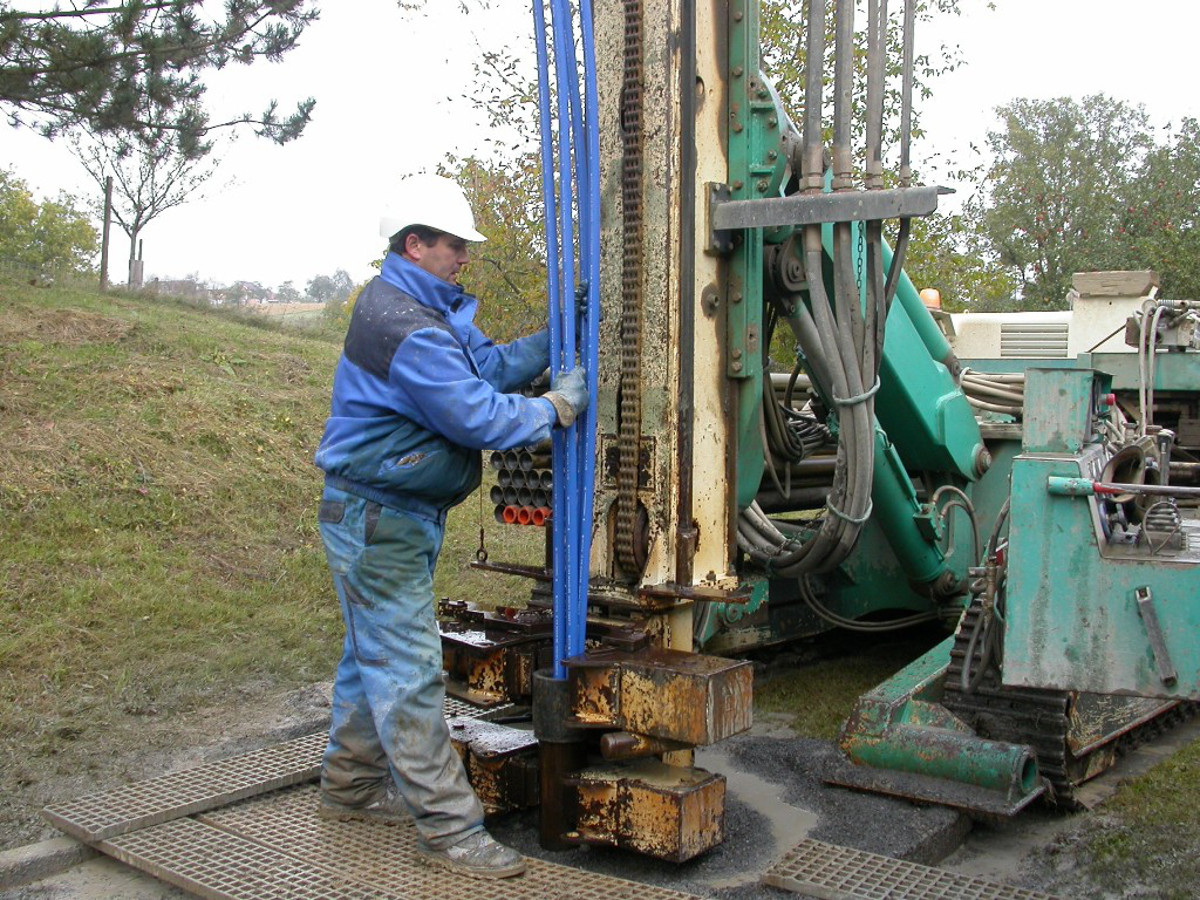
{"x": 51, "y": 235}
{"x": 508, "y": 271}
{"x": 944, "y": 253}
{"x": 135, "y": 66}
{"x": 1160, "y": 223}
{"x": 287, "y": 293}
{"x": 1054, "y": 195}
{"x": 149, "y": 178}
{"x": 330, "y": 289}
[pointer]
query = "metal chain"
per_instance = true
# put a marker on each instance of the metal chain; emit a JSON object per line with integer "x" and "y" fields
{"x": 860, "y": 263}
{"x": 481, "y": 554}
{"x": 629, "y": 432}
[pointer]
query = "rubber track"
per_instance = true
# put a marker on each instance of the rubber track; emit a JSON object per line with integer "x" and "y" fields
{"x": 1037, "y": 718}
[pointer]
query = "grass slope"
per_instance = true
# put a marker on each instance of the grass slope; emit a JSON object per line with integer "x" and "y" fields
{"x": 158, "y": 518}
{"x": 158, "y": 500}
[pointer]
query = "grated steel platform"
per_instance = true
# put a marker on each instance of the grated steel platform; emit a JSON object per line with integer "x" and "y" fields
{"x": 208, "y": 786}
{"x": 384, "y": 858}
{"x": 277, "y": 846}
{"x": 178, "y": 794}
{"x": 208, "y": 831}
{"x": 219, "y": 865}
{"x": 829, "y": 872}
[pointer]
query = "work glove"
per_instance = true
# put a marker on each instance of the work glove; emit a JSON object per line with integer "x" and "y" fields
{"x": 569, "y": 394}
{"x": 581, "y": 302}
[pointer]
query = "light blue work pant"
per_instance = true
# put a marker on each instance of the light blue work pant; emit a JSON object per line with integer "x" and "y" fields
{"x": 388, "y": 693}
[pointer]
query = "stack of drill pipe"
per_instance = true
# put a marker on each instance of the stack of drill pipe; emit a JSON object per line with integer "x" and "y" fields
{"x": 523, "y": 493}
{"x": 570, "y": 152}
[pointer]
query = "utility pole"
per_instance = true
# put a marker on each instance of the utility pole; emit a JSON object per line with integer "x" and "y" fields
{"x": 108, "y": 188}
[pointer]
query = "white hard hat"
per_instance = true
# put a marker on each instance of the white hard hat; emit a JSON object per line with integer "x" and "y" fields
{"x": 433, "y": 201}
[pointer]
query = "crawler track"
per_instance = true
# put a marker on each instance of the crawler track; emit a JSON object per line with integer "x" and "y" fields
{"x": 1075, "y": 735}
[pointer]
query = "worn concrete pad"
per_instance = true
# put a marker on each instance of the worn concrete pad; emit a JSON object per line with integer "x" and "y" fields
{"x": 21, "y": 865}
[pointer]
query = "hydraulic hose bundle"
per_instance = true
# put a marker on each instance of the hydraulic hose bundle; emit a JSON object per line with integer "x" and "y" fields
{"x": 840, "y": 333}
{"x": 570, "y": 145}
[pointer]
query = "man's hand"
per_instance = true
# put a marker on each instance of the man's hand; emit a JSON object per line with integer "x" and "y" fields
{"x": 581, "y": 302}
{"x": 569, "y": 394}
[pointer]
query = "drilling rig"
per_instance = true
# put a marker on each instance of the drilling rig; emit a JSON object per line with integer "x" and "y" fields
{"x": 870, "y": 481}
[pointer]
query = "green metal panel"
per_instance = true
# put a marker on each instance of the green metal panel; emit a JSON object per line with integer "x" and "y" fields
{"x": 919, "y": 403}
{"x": 1073, "y": 619}
{"x": 900, "y": 726}
{"x": 1061, "y": 409}
{"x": 895, "y": 507}
{"x": 755, "y": 170}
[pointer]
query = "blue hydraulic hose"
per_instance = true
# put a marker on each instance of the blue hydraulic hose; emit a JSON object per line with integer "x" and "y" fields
{"x": 591, "y": 259}
{"x": 572, "y": 219}
{"x": 551, "y": 225}
{"x": 565, "y": 520}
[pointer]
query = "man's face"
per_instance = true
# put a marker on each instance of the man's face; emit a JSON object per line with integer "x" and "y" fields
{"x": 443, "y": 258}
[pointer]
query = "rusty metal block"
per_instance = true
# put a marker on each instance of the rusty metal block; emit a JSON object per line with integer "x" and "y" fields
{"x": 669, "y": 694}
{"x": 487, "y": 667}
{"x": 663, "y": 811}
{"x": 595, "y": 689}
{"x": 501, "y": 763}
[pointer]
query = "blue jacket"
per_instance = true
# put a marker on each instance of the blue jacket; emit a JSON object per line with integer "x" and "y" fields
{"x": 419, "y": 391}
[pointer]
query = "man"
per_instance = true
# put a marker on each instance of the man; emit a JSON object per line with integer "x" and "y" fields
{"x": 417, "y": 393}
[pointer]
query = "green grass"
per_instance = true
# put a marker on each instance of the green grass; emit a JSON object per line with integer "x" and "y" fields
{"x": 1150, "y": 831}
{"x": 158, "y": 513}
{"x": 818, "y": 696}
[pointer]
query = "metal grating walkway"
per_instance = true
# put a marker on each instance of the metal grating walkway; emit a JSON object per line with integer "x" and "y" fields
{"x": 277, "y": 846}
{"x": 384, "y": 858}
{"x": 199, "y": 830}
{"x": 829, "y": 872}
{"x": 208, "y": 786}
{"x": 156, "y": 800}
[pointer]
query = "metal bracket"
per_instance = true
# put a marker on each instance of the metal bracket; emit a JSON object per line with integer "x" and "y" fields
{"x": 726, "y": 215}
{"x": 719, "y": 241}
{"x": 1158, "y": 642}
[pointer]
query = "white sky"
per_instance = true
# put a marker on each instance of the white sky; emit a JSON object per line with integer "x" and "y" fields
{"x": 389, "y": 101}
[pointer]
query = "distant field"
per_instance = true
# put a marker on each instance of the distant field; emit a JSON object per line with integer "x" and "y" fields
{"x": 289, "y": 309}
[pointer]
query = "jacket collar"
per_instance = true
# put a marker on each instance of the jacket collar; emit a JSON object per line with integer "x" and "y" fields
{"x": 430, "y": 291}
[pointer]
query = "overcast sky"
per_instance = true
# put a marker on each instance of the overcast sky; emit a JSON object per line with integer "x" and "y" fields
{"x": 389, "y": 91}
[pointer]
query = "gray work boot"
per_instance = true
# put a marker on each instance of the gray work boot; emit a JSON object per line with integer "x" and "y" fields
{"x": 478, "y": 855}
{"x": 388, "y": 809}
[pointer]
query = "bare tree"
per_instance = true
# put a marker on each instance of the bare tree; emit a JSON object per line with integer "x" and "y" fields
{"x": 148, "y": 177}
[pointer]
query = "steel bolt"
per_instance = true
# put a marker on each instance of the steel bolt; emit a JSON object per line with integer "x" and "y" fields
{"x": 738, "y": 71}
{"x": 762, "y": 185}
{"x": 737, "y": 353}
{"x": 737, "y": 367}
